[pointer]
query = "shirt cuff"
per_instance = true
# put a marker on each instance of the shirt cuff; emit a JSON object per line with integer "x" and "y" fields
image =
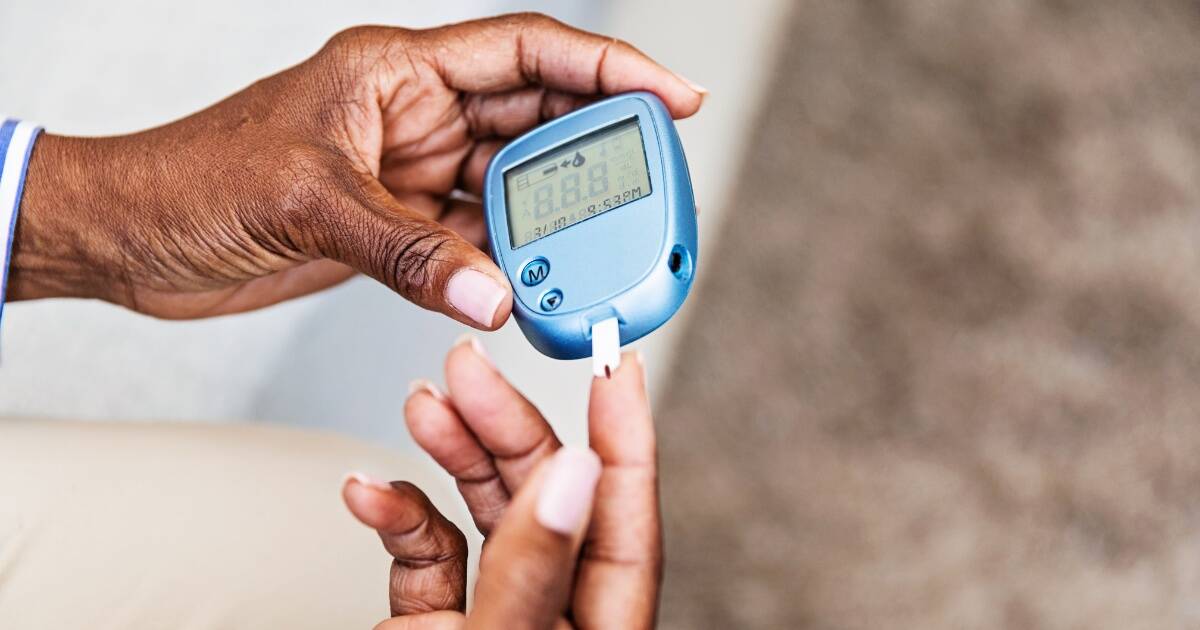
{"x": 16, "y": 145}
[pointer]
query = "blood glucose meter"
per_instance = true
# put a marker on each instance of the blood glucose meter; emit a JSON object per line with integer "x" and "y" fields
{"x": 591, "y": 217}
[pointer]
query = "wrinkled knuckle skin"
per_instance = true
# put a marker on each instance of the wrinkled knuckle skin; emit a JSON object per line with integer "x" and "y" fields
{"x": 412, "y": 253}
{"x": 354, "y": 37}
{"x": 305, "y": 196}
{"x": 533, "y": 19}
{"x": 303, "y": 178}
{"x": 429, "y": 590}
{"x": 358, "y": 48}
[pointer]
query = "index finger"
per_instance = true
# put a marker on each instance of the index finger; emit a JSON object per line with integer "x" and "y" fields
{"x": 511, "y": 51}
{"x": 621, "y": 567}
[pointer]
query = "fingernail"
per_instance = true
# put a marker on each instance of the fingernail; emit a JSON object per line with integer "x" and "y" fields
{"x": 476, "y": 295}
{"x": 639, "y": 357}
{"x": 696, "y": 87}
{"x": 476, "y": 346}
{"x": 423, "y": 385}
{"x": 366, "y": 480}
{"x": 566, "y": 494}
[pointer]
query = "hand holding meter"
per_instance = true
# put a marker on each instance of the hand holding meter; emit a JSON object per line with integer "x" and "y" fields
{"x": 591, "y": 216}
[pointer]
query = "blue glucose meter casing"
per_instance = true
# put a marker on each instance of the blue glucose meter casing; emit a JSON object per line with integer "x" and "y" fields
{"x": 590, "y": 236}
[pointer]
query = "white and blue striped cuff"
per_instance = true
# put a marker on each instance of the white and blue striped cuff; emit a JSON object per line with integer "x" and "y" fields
{"x": 16, "y": 145}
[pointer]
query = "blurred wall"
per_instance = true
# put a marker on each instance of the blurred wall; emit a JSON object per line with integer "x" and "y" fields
{"x": 341, "y": 359}
{"x": 951, "y": 379}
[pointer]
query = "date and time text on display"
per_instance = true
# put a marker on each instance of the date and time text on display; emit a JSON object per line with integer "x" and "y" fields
{"x": 584, "y": 178}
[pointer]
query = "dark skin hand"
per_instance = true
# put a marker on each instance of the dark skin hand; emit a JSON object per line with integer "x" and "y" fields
{"x": 497, "y": 446}
{"x": 345, "y": 163}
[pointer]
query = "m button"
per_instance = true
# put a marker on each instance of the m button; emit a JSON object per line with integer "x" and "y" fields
{"x": 535, "y": 272}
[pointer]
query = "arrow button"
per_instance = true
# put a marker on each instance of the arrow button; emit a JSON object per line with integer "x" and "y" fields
{"x": 551, "y": 300}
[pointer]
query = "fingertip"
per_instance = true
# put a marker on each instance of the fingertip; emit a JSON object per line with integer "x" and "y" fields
{"x": 635, "y": 358}
{"x": 469, "y": 348}
{"x": 629, "y": 375}
{"x": 693, "y": 86}
{"x": 565, "y": 498}
{"x": 421, "y": 412}
{"x": 361, "y": 494}
{"x": 477, "y": 387}
{"x": 359, "y": 479}
{"x": 698, "y": 94}
{"x": 383, "y": 506}
{"x": 502, "y": 312}
{"x": 582, "y": 459}
{"x": 471, "y": 374}
{"x": 425, "y": 386}
{"x": 692, "y": 108}
{"x": 435, "y": 426}
{"x": 687, "y": 99}
{"x": 682, "y": 97}
{"x": 620, "y": 423}
{"x": 483, "y": 298}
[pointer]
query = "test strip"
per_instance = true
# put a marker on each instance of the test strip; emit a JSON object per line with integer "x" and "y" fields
{"x": 606, "y": 347}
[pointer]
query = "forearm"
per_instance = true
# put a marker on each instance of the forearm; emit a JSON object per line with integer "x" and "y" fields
{"x": 61, "y": 244}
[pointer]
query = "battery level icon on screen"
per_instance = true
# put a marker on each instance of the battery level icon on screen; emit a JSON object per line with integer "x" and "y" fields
{"x": 537, "y": 175}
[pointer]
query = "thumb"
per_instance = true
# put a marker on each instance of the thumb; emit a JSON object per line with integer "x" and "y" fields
{"x": 427, "y": 263}
{"x": 527, "y": 569}
{"x": 437, "y": 620}
{"x": 429, "y": 571}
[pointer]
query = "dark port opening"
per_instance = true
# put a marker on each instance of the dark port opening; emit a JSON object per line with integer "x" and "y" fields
{"x": 679, "y": 262}
{"x": 676, "y": 262}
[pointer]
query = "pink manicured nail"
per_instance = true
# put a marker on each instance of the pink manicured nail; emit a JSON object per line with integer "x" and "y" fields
{"x": 475, "y": 295}
{"x": 422, "y": 385}
{"x": 566, "y": 493}
{"x": 367, "y": 481}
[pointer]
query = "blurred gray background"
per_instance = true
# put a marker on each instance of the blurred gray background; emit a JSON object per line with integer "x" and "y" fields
{"x": 946, "y": 371}
{"x": 940, "y": 368}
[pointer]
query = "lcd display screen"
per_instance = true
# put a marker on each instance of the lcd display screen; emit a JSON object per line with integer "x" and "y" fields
{"x": 587, "y": 177}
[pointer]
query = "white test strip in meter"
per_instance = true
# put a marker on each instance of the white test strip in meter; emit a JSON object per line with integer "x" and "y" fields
{"x": 606, "y": 347}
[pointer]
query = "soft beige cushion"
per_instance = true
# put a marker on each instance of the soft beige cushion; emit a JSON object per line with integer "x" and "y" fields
{"x": 158, "y": 526}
